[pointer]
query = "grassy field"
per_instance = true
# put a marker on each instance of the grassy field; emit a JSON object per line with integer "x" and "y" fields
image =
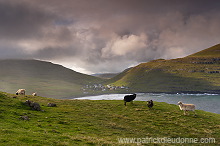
{"x": 85, "y": 122}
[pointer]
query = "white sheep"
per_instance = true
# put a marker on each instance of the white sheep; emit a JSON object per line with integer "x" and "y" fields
{"x": 34, "y": 94}
{"x": 186, "y": 107}
{"x": 20, "y": 92}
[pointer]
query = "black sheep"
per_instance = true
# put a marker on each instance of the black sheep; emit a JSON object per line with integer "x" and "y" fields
{"x": 129, "y": 98}
{"x": 33, "y": 105}
{"x": 150, "y": 104}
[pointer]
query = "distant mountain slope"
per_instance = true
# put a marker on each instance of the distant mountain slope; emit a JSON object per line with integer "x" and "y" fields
{"x": 199, "y": 72}
{"x": 111, "y": 75}
{"x": 105, "y": 75}
{"x": 45, "y": 78}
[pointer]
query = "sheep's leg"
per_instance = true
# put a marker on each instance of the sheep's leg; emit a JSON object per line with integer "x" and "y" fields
{"x": 194, "y": 113}
{"x": 125, "y": 103}
{"x": 184, "y": 112}
{"x": 132, "y": 102}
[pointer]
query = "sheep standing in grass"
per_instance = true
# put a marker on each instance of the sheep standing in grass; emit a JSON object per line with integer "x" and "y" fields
{"x": 20, "y": 92}
{"x": 34, "y": 94}
{"x": 51, "y": 104}
{"x": 129, "y": 98}
{"x": 33, "y": 105}
{"x": 150, "y": 104}
{"x": 186, "y": 107}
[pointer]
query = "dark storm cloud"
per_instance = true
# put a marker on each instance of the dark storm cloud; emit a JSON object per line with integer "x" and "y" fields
{"x": 19, "y": 20}
{"x": 107, "y": 35}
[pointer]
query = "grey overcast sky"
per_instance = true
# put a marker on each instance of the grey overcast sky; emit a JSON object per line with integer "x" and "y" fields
{"x": 99, "y": 36}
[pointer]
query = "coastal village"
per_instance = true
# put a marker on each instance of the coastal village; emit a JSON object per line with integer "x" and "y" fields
{"x": 103, "y": 88}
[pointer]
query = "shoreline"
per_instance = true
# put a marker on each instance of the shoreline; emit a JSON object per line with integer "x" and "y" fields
{"x": 182, "y": 92}
{"x": 209, "y": 102}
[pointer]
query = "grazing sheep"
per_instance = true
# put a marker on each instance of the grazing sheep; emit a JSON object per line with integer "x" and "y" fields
{"x": 20, "y": 92}
{"x": 28, "y": 102}
{"x": 186, "y": 107}
{"x": 150, "y": 104}
{"x": 36, "y": 106}
{"x": 33, "y": 105}
{"x": 24, "y": 118}
{"x": 51, "y": 105}
{"x": 34, "y": 94}
{"x": 129, "y": 98}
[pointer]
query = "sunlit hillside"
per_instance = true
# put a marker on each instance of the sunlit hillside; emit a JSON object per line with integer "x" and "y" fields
{"x": 199, "y": 72}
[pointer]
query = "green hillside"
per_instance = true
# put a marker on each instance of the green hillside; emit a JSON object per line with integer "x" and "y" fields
{"x": 210, "y": 52}
{"x": 86, "y": 122}
{"x": 45, "y": 78}
{"x": 199, "y": 72}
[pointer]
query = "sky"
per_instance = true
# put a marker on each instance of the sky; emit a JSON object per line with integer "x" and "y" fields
{"x": 106, "y": 36}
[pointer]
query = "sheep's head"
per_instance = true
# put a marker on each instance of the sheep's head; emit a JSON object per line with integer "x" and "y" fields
{"x": 179, "y": 103}
{"x": 28, "y": 102}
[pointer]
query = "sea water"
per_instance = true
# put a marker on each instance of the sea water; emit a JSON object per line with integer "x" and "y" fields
{"x": 206, "y": 102}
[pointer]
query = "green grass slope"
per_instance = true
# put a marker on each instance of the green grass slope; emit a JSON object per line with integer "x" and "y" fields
{"x": 210, "y": 52}
{"x": 85, "y": 122}
{"x": 199, "y": 72}
{"x": 45, "y": 78}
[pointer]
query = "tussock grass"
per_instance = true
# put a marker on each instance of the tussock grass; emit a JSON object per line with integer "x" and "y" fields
{"x": 85, "y": 122}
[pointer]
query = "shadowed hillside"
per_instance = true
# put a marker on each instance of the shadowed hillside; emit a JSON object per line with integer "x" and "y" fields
{"x": 45, "y": 78}
{"x": 199, "y": 72}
